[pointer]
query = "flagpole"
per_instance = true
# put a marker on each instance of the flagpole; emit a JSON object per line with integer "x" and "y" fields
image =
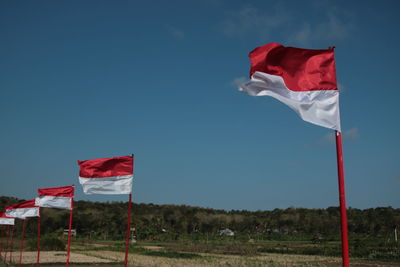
{"x": 128, "y": 230}
{"x": 22, "y": 242}
{"x": 342, "y": 200}
{"x": 1, "y": 240}
{"x": 69, "y": 231}
{"x": 12, "y": 243}
{"x": 6, "y": 247}
{"x": 38, "y": 242}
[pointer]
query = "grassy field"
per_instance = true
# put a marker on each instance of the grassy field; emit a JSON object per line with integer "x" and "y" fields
{"x": 200, "y": 254}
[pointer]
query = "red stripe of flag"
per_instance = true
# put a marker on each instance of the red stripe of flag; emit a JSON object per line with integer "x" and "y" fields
{"x": 301, "y": 69}
{"x": 3, "y": 215}
{"x": 106, "y": 167}
{"x": 62, "y": 191}
{"x": 22, "y": 205}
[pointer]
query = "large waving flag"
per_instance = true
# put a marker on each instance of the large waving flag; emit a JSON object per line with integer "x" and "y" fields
{"x": 303, "y": 79}
{"x": 55, "y": 197}
{"x": 5, "y": 220}
{"x": 107, "y": 175}
{"x": 23, "y": 209}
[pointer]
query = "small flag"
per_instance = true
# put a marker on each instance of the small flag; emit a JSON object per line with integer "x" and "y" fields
{"x": 23, "y": 209}
{"x": 107, "y": 175}
{"x": 5, "y": 220}
{"x": 55, "y": 197}
{"x": 303, "y": 79}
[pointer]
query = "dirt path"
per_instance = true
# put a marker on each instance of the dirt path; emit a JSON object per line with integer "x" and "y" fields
{"x": 29, "y": 257}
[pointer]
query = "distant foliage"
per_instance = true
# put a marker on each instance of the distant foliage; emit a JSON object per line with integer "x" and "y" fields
{"x": 107, "y": 221}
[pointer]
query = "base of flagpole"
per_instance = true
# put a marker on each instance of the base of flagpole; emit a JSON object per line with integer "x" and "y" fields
{"x": 38, "y": 242}
{"x": 22, "y": 242}
{"x": 128, "y": 231}
{"x": 69, "y": 233}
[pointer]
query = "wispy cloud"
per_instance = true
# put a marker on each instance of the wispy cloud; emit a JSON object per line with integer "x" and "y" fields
{"x": 303, "y": 35}
{"x": 341, "y": 87}
{"x": 351, "y": 134}
{"x": 250, "y": 20}
{"x": 237, "y": 82}
{"x": 334, "y": 27}
{"x": 348, "y": 135}
{"x": 328, "y": 138}
{"x": 284, "y": 23}
{"x": 176, "y": 32}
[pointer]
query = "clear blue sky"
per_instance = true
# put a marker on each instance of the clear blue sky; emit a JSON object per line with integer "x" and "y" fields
{"x": 88, "y": 79}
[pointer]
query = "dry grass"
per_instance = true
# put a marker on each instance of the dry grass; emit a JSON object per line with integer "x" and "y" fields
{"x": 203, "y": 259}
{"x": 29, "y": 257}
{"x": 213, "y": 260}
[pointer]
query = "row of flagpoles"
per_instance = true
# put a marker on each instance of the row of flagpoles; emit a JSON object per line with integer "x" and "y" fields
{"x": 97, "y": 176}
{"x": 303, "y": 79}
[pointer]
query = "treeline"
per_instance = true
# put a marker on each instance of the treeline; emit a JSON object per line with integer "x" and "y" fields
{"x": 105, "y": 220}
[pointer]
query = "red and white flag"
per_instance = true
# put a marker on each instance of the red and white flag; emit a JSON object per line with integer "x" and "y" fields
{"x": 107, "y": 175}
{"x": 303, "y": 79}
{"x": 55, "y": 197}
{"x": 5, "y": 220}
{"x": 23, "y": 209}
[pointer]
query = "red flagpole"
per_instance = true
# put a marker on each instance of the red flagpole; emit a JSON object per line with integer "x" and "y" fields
{"x": 22, "y": 242}
{"x": 6, "y": 247}
{"x": 38, "y": 242}
{"x": 69, "y": 232}
{"x": 128, "y": 230}
{"x": 1, "y": 239}
{"x": 342, "y": 200}
{"x": 12, "y": 243}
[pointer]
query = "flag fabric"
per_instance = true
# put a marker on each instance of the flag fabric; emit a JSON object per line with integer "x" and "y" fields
{"x": 303, "y": 79}
{"x": 5, "y": 220}
{"x": 107, "y": 175}
{"x": 55, "y": 197}
{"x": 23, "y": 209}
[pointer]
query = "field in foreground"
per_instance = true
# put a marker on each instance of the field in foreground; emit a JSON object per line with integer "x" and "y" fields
{"x": 160, "y": 258}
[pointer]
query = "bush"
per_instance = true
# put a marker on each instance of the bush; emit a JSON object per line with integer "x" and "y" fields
{"x": 47, "y": 242}
{"x": 52, "y": 243}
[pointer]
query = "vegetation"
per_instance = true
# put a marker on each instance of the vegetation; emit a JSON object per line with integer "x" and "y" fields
{"x": 195, "y": 230}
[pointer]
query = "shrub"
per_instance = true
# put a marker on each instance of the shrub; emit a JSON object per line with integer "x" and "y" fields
{"x": 47, "y": 242}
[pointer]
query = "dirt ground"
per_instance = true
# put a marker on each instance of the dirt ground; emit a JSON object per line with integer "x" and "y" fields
{"x": 29, "y": 257}
{"x": 213, "y": 260}
{"x": 204, "y": 260}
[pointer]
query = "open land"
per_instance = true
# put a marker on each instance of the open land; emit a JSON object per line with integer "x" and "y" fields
{"x": 155, "y": 255}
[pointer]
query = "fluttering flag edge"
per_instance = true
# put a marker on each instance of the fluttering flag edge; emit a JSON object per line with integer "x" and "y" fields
{"x": 7, "y": 221}
{"x": 53, "y": 202}
{"x": 22, "y": 213}
{"x": 317, "y": 107}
